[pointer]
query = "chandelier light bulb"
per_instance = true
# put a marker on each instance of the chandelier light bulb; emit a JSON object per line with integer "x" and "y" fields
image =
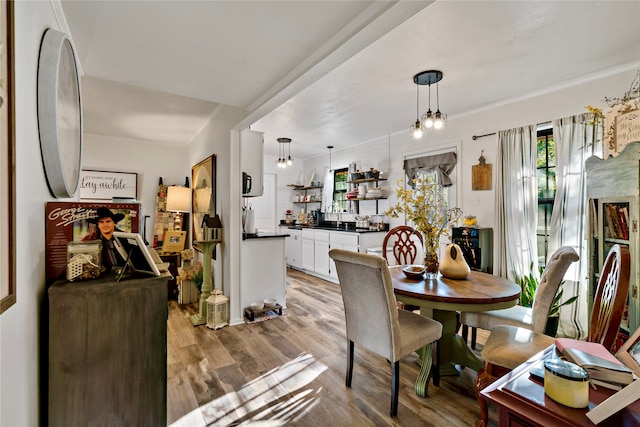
{"x": 416, "y": 130}
{"x": 428, "y": 119}
{"x": 439, "y": 121}
{"x": 289, "y": 161}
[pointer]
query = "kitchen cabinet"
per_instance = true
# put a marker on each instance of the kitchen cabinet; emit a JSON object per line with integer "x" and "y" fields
{"x": 108, "y": 352}
{"x": 294, "y": 247}
{"x": 308, "y": 250}
{"x": 613, "y": 210}
{"x": 252, "y": 160}
{"x": 321, "y": 253}
{"x": 315, "y": 246}
{"x": 342, "y": 240}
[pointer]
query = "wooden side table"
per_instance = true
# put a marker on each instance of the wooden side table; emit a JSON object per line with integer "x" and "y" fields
{"x": 521, "y": 401}
{"x": 174, "y": 260}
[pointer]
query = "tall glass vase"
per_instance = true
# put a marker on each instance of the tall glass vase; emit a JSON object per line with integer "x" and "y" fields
{"x": 431, "y": 262}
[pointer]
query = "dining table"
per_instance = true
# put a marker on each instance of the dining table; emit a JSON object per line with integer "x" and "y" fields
{"x": 441, "y": 299}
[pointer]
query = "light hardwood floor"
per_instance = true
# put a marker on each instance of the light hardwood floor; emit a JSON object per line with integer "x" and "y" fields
{"x": 290, "y": 371}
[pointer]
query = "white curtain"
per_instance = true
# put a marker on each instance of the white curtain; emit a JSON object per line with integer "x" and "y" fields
{"x": 516, "y": 202}
{"x": 327, "y": 191}
{"x": 575, "y": 141}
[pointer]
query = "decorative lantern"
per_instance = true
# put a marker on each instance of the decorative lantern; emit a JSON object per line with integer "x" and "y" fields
{"x": 217, "y": 310}
{"x": 211, "y": 229}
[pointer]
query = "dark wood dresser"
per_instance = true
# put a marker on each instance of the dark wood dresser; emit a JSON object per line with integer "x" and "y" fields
{"x": 521, "y": 402}
{"x": 108, "y": 352}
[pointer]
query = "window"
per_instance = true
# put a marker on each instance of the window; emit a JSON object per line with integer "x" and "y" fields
{"x": 442, "y": 195}
{"x": 546, "y": 177}
{"x": 340, "y": 178}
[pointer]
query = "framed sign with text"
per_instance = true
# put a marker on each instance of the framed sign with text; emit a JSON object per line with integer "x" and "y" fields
{"x": 104, "y": 185}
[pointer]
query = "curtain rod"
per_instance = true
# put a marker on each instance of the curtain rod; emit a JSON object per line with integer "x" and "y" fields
{"x": 474, "y": 137}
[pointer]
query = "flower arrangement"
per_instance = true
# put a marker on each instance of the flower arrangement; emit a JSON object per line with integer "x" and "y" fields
{"x": 193, "y": 272}
{"x": 187, "y": 255}
{"x": 424, "y": 207}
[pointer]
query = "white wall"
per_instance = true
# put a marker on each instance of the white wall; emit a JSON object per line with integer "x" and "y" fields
{"x": 22, "y": 324}
{"x": 149, "y": 160}
{"x": 218, "y": 138}
{"x": 289, "y": 175}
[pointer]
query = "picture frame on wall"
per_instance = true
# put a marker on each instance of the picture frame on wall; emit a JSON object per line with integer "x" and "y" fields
{"x": 107, "y": 185}
{"x": 174, "y": 241}
{"x": 74, "y": 222}
{"x": 203, "y": 178}
{"x": 7, "y": 147}
{"x": 629, "y": 353}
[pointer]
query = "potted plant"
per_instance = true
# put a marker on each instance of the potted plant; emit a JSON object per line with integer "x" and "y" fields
{"x": 529, "y": 285}
{"x": 424, "y": 206}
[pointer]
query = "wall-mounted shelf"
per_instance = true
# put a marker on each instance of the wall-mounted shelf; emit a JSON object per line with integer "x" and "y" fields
{"x": 364, "y": 199}
{"x": 358, "y": 199}
{"x": 364, "y": 180}
{"x": 307, "y": 188}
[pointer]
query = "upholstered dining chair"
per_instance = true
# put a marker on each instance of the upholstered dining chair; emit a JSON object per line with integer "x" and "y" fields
{"x": 509, "y": 346}
{"x": 534, "y": 318}
{"x": 403, "y": 243}
{"x": 373, "y": 320}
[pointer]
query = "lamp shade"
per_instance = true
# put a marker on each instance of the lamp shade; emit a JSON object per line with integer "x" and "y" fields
{"x": 178, "y": 199}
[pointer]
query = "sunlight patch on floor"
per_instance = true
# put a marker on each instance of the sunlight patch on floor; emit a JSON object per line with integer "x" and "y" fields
{"x": 276, "y": 398}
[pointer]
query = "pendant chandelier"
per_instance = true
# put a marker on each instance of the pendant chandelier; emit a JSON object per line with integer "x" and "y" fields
{"x": 428, "y": 119}
{"x": 283, "y": 161}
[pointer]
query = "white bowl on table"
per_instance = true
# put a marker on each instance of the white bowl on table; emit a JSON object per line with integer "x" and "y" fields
{"x": 257, "y": 305}
{"x": 270, "y": 302}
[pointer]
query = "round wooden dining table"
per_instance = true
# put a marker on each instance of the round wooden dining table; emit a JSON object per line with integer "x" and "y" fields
{"x": 442, "y": 298}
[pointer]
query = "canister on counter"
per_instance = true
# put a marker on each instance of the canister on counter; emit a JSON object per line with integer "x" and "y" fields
{"x": 566, "y": 383}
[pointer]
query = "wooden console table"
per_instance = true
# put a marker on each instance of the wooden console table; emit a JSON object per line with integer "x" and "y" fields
{"x": 522, "y": 402}
{"x": 108, "y": 352}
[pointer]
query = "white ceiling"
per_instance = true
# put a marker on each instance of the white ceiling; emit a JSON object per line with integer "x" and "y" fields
{"x": 330, "y": 72}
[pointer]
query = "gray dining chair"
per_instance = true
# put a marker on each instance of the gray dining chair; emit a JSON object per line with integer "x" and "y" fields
{"x": 533, "y": 318}
{"x": 373, "y": 320}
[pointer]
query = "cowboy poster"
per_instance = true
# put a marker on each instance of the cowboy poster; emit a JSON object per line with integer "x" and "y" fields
{"x": 74, "y": 221}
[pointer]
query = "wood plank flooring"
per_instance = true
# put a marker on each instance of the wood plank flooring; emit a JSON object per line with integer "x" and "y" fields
{"x": 290, "y": 371}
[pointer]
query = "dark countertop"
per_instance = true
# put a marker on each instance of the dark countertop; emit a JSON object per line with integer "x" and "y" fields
{"x": 263, "y": 236}
{"x": 329, "y": 228}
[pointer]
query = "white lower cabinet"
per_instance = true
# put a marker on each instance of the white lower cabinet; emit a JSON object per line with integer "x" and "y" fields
{"x": 308, "y": 250}
{"x": 321, "y": 248}
{"x": 342, "y": 240}
{"x": 294, "y": 248}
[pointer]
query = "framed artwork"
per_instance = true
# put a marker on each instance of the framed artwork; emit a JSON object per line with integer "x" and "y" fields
{"x": 629, "y": 353}
{"x": 7, "y": 147}
{"x": 73, "y": 222}
{"x": 203, "y": 178}
{"x": 174, "y": 241}
{"x": 621, "y": 126}
{"x": 104, "y": 185}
